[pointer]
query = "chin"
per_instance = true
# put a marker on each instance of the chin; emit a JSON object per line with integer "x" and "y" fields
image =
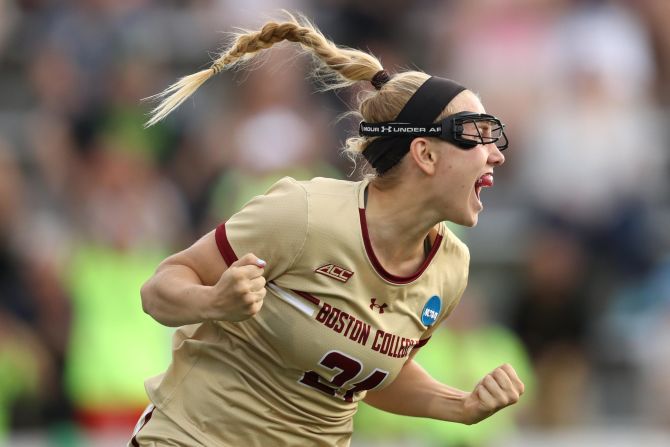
{"x": 467, "y": 221}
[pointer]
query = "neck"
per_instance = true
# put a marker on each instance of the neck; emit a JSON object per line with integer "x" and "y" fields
{"x": 398, "y": 225}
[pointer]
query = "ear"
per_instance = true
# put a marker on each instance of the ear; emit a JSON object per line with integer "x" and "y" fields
{"x": 424, "y": 154}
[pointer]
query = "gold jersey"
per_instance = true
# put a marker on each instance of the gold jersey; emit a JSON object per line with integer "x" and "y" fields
{"x": 334, "y": 324}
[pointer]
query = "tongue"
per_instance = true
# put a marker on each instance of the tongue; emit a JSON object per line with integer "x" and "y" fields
{"x": 485, "y": 180}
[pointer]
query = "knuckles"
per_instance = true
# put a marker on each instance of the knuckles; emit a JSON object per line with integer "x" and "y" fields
{"x": 256, "y": 307}
{"x": 248, "y": 299}
{"x": 237, "y": 296}
{"x": 241, "y": 288}
{"x": 253, "y": 308}
{"x": 235, "y": 274}
{"x": 497, "y": 385}
{"x": 492, "y": 406}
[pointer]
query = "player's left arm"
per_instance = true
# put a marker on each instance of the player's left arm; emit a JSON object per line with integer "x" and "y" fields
{"x": 415, "y": 393}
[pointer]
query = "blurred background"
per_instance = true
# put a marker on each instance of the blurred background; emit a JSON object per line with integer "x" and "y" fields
{"x": 570, "y": 277}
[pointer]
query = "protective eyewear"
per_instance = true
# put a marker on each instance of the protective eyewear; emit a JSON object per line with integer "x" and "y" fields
{"x": 464, "y": 130}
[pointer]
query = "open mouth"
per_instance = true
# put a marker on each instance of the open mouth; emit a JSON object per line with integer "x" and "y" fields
{"x": 485, "y": 181}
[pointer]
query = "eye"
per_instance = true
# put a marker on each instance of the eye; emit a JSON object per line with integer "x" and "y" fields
{"x": 470, "y": 131}
{"x": 485, "y": 131}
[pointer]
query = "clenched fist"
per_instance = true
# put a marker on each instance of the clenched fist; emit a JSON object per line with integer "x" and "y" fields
{"x": 498, "y": 389}
{"x": 239, "y": 293}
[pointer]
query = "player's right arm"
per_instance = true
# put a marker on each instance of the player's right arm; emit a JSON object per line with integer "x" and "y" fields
{"x": 196, "y": 285}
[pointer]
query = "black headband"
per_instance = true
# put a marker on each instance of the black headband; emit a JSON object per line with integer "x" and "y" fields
{"x": 424, "y": 106}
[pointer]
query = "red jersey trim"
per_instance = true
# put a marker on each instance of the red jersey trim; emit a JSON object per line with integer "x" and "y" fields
{"x": 224, "y": 246}
{"x": 378, "y": 266}
{"x": 421, "y": 343}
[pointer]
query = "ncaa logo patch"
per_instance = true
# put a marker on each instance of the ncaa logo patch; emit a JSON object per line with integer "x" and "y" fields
{"x": 431, "y": 310}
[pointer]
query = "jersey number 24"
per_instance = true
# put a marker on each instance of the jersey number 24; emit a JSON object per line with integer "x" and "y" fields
{"x": 349, "y": 368}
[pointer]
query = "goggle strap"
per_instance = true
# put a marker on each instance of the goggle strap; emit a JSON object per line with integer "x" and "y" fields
{"x": 399, "y": 129}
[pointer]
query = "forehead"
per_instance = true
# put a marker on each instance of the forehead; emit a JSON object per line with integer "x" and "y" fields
{"x": 466, "y": 101}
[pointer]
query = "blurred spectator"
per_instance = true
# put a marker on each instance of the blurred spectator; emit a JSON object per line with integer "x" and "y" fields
{"x": 654, "y": 356}
{"x": 24, "y": 367}
{"x": 588, "y": 171}
{"x": 7, "y": 21}
{"x": 34, "y": 313}
{"x": 124, "y": 211}
{"x": 653, "y": 13}
{"x": 634, "y": 331}
{"x": 550, "y": 316}
{"x": 90, "y": 33}
{"x": 56, "y": 82}
{"x": 131, "y": 80}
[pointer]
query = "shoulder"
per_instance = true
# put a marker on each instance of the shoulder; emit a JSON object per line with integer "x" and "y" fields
{"x": 289, "y": 199}
{"x": 314, "y": 187}
{"x": 319, "y": 186}
{"x": 454, "y": 267}
{"x": 285, "y": 198}
{"x": 455, "y": 247}
{"x": 454, "y": 260}
{"x": 273, "y": 226}
{"x": 287, "y": 186}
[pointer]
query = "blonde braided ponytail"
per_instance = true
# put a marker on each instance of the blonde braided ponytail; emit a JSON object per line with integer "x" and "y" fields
{"x": 339, "y": 67}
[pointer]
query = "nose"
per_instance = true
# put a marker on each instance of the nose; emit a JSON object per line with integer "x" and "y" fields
{"x": 496, "y": 158}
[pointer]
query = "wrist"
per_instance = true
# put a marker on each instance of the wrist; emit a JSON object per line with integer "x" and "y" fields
{"x": 473, "y": 409}
{"x": 203, "y": 301}
{"x": 467, "y": 414}
{"x": 453, "y": 406}
{"x": 464, "y": 414}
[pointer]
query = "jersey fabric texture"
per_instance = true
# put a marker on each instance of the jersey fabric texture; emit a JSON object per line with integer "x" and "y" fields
{"x": 333, "y": 324}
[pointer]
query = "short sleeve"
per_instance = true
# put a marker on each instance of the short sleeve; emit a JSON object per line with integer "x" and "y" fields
{"x": 272, "y": 226}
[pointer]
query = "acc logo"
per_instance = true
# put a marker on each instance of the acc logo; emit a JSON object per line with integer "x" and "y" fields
{"x": 335, "y": 272}
{"x": 431, "y": 310}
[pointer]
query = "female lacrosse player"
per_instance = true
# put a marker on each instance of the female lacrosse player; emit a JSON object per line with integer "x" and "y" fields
{"x": 318, "y": 294}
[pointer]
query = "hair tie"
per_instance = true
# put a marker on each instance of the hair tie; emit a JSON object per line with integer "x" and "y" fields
{"x": 216, "y": 68}
{"x": 380, "y": 78}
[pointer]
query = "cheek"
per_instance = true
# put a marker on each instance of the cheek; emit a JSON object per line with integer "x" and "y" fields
{"x": 459, "y": 169}
{"x": 457, "y": 178}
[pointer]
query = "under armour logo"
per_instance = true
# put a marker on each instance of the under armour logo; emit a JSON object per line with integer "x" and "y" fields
{"x": 381, "y": 307}
{"x": 387, "y": 128}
